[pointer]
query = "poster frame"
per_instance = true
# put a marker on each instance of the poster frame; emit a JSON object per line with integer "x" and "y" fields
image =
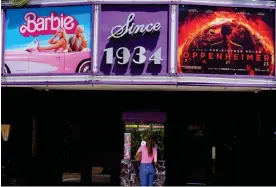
{"x": 97, "y": 64}
{"x": 3, "y": 12}
{"x": 169, "y": 74}
{"x": 91, "y": 4}
{"x": 221, "y": 75}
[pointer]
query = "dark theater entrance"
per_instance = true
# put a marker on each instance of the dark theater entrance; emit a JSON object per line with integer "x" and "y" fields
{"x": 78, "y": 137}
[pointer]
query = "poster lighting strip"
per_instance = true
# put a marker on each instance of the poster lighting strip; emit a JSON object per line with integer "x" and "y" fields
{"x": 95, "y": 38}
{"x": 141, "y": 80}
{"x": 173, "y": 37}
{"x": 226, "y": 2}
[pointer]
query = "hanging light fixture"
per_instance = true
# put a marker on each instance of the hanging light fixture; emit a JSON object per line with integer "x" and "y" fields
{"x": 5, "y": 129}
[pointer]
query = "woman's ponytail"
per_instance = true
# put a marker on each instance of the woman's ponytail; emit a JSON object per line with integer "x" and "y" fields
{"x": 150, "y": 145}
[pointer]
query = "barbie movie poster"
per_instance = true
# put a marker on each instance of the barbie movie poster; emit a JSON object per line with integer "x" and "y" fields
{"x": 127, "y": 146}
{"x": 223, "y": 40}
{"x": 48, "y": 40}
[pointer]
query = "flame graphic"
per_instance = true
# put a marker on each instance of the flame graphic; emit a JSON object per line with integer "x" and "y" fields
{"x": 193, "y": 27}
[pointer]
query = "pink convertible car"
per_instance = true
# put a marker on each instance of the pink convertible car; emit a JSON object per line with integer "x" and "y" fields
{"x": 33, "y": 61}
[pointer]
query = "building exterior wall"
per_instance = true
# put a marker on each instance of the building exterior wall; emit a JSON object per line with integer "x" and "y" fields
{"x": 164, "y": 43}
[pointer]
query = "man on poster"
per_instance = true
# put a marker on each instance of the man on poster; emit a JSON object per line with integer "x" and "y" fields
{"x": 226, "y": 43}
{"x": 77, "y": 42}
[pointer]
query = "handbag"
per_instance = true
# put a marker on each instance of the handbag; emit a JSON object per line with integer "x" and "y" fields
{"x": 138, "y": 156}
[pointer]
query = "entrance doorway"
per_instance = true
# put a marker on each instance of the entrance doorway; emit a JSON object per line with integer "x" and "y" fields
{"x": 212, "y": 148}
{"x": 96, "y": 135}
{"x": 210, "y": 145}
{"x": 188, "y": 150}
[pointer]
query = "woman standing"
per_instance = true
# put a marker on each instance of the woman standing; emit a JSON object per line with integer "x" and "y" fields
{"x": 148, "y": 153}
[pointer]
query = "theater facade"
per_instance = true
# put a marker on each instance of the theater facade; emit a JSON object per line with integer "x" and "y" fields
{"x": 84, "y": 82}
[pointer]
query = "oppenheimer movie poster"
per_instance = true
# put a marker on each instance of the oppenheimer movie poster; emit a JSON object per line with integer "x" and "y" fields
{"x": 223, "y": 40}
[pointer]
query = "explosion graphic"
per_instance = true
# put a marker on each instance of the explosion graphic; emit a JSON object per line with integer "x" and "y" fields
{"x": 200, "y": 31}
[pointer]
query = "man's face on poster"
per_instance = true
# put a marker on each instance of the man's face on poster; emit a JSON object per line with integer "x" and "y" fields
{"x": 78, "y": 32}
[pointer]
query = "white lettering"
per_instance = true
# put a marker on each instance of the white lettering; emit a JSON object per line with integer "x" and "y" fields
{"x": 29, "y": 18}
{"x": 46, "y": 25}
{"x": 156, "y": 57}
{"x": 130, "y": 28}
{"x": 68, "y": 23}
{"x": 141, "y": 51}
{"x": 124, "y": 54}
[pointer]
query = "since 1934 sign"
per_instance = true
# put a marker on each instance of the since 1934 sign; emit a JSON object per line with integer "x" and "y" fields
{"x": 133, "y": 40}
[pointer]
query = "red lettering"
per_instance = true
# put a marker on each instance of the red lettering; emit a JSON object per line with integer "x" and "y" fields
{"x": 211, "y": 56}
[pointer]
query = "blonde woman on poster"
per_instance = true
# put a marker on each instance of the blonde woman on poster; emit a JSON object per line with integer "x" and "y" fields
{"x": 60, "y": 44}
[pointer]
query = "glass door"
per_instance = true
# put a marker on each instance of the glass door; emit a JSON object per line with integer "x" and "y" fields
{"x": 199, "y": 152}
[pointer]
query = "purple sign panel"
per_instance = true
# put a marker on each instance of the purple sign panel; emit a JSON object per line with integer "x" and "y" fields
{"x": 133, "y": 39}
